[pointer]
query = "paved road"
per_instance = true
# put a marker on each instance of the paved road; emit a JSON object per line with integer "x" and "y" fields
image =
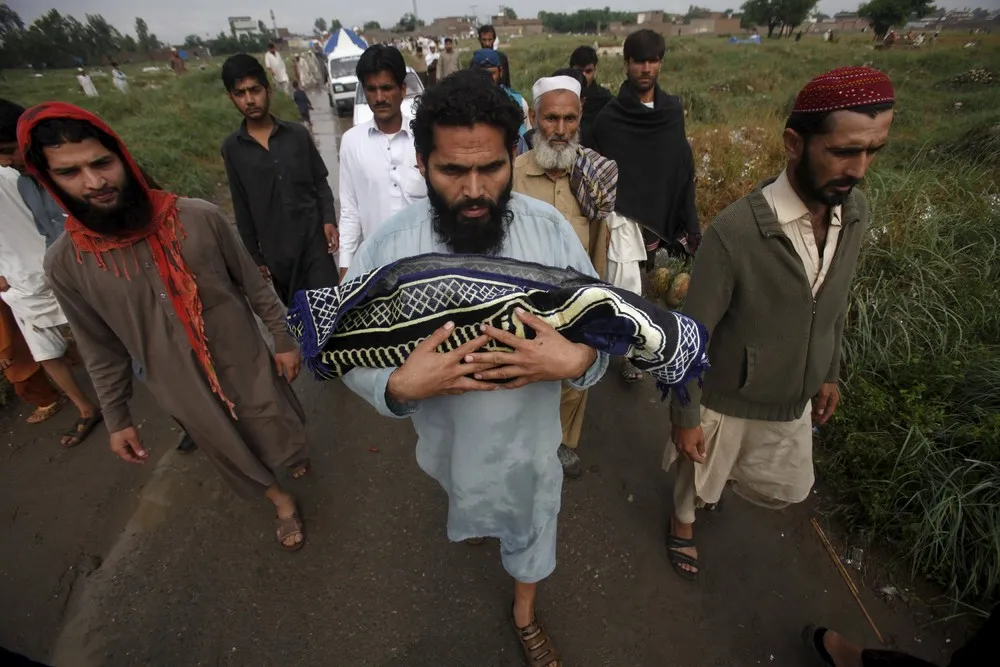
{"x": 106, "y": 564}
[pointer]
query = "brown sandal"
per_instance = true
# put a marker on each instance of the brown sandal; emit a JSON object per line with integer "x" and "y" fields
{"x": 43, "y": 413}
{"x": 289, "y": 526}
{"x": 300, "y": 469}
{"x": 539, "y": 650}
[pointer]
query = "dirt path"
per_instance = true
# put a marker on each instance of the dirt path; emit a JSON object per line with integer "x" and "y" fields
{"x": 196, "y": 579}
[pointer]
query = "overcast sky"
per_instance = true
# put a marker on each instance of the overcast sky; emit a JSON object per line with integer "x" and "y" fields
{"x": 172, "y": 20}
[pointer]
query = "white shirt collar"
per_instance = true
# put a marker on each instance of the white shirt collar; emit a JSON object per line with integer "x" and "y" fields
{"x": 789, "y": 207}
{"x": 404, "y": 128}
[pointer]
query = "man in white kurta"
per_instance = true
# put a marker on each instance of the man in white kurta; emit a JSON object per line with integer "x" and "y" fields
{"x": 26, "y": 290}
{"x": 492, "y": 448}
{"x": 378, "y": 165}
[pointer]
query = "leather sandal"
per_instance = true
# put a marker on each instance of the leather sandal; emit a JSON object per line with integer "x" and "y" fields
{"x": 679, "y": 558}
{"x": 538, "y": 648}
{"x": 289, "y": 526}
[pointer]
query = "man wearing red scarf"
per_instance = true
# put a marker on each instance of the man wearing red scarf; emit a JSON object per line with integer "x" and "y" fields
{"x": 145, "y": 275}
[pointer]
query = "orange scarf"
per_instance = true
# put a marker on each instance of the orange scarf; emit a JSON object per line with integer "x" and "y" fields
{"x": 164, "y": 236}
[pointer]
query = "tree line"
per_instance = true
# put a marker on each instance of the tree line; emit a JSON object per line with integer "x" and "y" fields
{"x": 56, "y": 40}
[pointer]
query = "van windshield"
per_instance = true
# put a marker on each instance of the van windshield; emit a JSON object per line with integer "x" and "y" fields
{"x": 343, "y": 67}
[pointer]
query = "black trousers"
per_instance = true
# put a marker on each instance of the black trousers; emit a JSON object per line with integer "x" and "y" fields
{"x": 314, "y": 268}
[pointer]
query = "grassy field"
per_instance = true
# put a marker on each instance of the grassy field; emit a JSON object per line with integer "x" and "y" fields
{"x": 174, "y": 125}
{"x": 914, "y": 452}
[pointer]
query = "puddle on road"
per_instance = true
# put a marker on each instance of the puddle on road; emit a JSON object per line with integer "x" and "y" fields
{"x": 327, "y": 131}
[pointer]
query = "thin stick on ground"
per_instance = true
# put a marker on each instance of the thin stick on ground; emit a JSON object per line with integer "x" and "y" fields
{"x": 847, "y": 577}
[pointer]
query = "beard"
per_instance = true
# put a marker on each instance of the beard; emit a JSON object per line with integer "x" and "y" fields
{"x": 133, "y": 211}
{"x": 556, "y": 158}
{"x": 465, "y": 235}
{"x": 805, "y": 178}
{"x": 640, "y": 85}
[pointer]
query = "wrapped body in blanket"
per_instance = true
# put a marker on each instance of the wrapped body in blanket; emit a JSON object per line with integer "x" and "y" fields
{"x": 377, "y": 319}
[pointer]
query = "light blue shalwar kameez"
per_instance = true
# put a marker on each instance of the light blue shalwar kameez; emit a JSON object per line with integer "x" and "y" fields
{"x": 494, "y": 453}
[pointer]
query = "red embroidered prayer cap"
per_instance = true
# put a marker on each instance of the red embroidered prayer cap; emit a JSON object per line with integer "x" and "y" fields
{"x": 844, "y": 88}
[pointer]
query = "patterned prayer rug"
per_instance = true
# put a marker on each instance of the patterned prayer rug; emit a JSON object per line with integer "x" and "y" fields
{"x": 376, "y": 320}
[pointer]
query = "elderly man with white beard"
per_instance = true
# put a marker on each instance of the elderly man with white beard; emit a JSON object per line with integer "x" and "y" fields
{"x": 580, "y": 184}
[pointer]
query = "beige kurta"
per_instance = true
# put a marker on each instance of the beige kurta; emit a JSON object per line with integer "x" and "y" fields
{"x": 117, "y": 319}
{"x": 770, "y": 463}
{"x": 530, "y": 179}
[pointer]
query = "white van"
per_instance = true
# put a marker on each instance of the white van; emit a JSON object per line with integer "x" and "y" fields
{"x": 343, "y": 81}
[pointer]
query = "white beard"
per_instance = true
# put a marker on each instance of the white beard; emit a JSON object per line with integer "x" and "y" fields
{"x": 550, "y": 158}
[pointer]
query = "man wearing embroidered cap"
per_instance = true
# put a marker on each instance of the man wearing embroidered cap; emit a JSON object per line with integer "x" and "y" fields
{"x": 771, "y": 283}
{"x": 489, "y": 61}
{"x": 580, "y": 184}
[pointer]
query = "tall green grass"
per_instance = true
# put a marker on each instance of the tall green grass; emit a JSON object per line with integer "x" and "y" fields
{"x": 915, "y": 450}
{"x": 174, "y": 126}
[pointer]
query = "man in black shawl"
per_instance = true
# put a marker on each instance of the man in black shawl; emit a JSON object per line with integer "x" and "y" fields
{"x": 594, "y": 95}
{"x": 643, "y": 131}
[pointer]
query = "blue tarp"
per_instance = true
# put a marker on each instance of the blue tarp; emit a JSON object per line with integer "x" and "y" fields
{"x": 344, "y": 40}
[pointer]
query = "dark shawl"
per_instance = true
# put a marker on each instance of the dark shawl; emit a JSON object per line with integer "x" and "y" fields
{"x": 595, "y": 98}
{"x": 655, "y": 164}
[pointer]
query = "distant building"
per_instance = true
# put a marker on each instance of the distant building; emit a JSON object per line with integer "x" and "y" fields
{"x": 656, "y": 20}
{"x": 242, "y": 25}
{"x": 450, "y": 25}
{"x": 507, "y": 28}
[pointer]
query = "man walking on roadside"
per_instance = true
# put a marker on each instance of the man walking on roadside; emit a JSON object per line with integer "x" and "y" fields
{"x": 488, "y": 61}
{"x": 594, "y": 95}
{"x": 642, "y": 130}
{"x": 448, "y": 62}
{"x": 33, "y": 304}
{"x": 276, "y": 66}
{"x": 492, "y": 447}
{"x": 25, "y": 375}
{"x": 378, "y": 165}
{"x": 145, "y": 276}
{"x": 771, "y": 284}
{"x": 283, "y": 203}
{"x": 487, "y": 40}
{"x": 582, "y": 186}
{"x": 420, "y": 65}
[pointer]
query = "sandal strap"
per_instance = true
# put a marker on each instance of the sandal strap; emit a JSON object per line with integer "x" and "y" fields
{"x": 682, "y": 558}
{"x": 288, "y": 526}
{"x": 674, "y": 542}
{"x": 537, "y": 646}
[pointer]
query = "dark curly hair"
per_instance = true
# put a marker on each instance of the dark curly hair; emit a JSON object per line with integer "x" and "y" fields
{"x": 464, "y": 99}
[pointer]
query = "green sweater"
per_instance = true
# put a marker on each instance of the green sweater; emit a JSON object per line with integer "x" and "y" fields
{"x": 772, "y": 344}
